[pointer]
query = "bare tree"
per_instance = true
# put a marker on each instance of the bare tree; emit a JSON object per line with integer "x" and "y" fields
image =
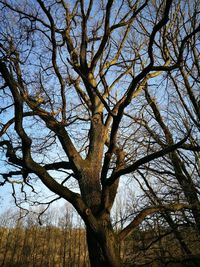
{"x": 71, "y": 75}
{"x": 171, "y": 113}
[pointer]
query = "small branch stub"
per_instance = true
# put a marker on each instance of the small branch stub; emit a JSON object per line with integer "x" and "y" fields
{"x": 87, "y": 212}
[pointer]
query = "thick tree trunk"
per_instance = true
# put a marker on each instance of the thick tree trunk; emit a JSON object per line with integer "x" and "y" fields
{"x": 103, "y": 250}
{"x": 102, "y": 241}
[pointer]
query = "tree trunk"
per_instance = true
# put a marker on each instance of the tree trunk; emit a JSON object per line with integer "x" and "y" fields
{"x": 102, "y": 248}
{"x": 102, "y": 242}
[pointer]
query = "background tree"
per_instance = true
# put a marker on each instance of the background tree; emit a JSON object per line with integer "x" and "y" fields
{"x": 77, "y": 80}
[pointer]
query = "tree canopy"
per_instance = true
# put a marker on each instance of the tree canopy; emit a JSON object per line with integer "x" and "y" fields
{"x": 94, "y": 91}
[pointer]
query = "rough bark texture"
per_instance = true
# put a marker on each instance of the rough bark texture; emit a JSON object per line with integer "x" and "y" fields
{"x": 102, "y": 247}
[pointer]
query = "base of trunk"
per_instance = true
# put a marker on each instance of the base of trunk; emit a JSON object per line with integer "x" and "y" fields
{"x": 103, "y": 253}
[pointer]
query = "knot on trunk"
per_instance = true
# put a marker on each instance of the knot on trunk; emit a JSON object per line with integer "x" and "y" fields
{"x": 87, "y": 212}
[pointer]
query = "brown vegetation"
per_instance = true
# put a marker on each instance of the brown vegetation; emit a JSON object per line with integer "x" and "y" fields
{"x": 25, "y": 243}
{"x": 54, "y": 246}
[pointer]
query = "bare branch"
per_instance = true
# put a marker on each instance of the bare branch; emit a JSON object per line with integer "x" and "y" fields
{"x": 145, "y": 160}
{"x": 149, "y": 211}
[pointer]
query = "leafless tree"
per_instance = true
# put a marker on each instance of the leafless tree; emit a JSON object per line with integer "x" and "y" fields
{"x": 74, "y": 77}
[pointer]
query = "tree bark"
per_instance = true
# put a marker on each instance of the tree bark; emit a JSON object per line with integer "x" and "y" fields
{"x": 102, "y": 242}
{"x": 102, "y": 248}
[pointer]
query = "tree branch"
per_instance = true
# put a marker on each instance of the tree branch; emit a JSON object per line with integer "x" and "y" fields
{"x": 145, "y": 160}
{"x": 149, "y": 211}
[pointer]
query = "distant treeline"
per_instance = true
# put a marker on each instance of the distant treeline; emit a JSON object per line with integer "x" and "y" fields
{"x": 25, "y": 243}
{"x": 42, "y": 246}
